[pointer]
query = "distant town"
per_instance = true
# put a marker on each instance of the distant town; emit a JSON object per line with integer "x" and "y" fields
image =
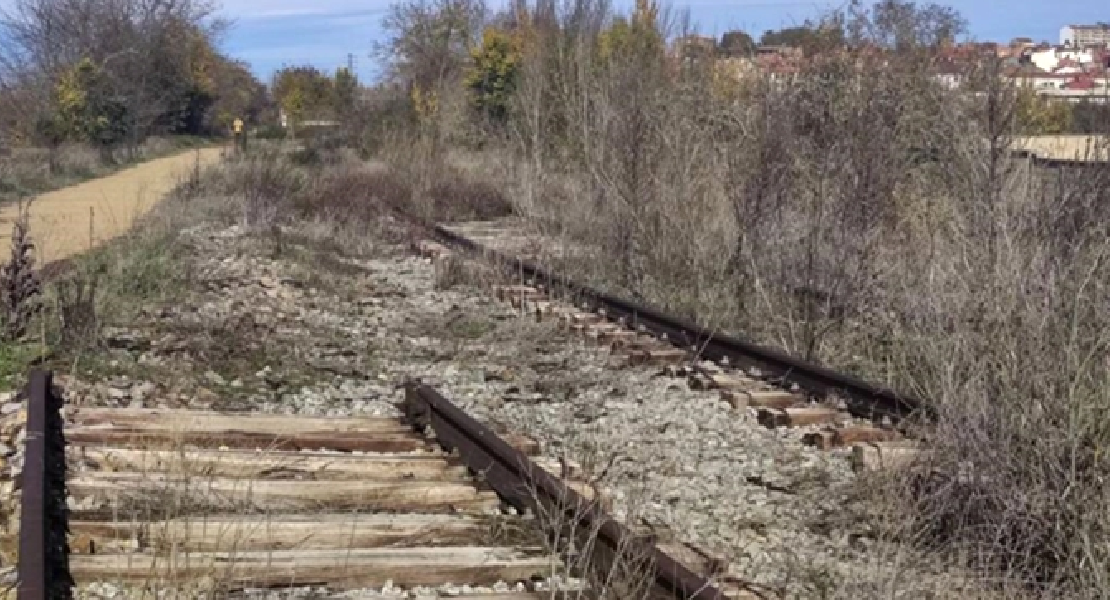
{"x": 1077, "y": 68}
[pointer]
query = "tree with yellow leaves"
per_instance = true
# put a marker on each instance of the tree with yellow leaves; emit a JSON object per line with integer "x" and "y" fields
{"x": 635, "y": 37}
{"x": 238, "y": 95}
{"x": 492, "y": 76}
{"x": 732, "y": 78}
{"x": 1036, "y": 115}
{"x": 84, "y": 109}
{"x": 301, "y": 91}
{"x": 424, "y": 102}
{"x": 157, "y": 65}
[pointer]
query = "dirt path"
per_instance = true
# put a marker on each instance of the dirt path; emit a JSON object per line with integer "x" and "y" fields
{"x": 68, "y": 221}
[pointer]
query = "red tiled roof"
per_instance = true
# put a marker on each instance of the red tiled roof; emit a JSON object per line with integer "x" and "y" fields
{"x": 948, "y": 67}
{"x": 1025, "y": 71}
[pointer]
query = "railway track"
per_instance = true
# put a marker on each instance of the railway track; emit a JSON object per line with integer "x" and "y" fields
{"x": 182, "y": 503}
{"x": 882, "y": 426}
{"x": 203, "y": 504}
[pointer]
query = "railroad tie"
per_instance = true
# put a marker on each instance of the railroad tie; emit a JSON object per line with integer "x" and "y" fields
{"x": 799, "y": 416}
{"x": 637, "y": 335}
{"x": 192, "y": 501}
{"x": 188, "y": 501}
{"x": 840, "y": 437}
{"x": 878, "y": 456}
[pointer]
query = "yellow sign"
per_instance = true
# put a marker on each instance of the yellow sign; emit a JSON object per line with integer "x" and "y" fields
{"x": 238, "y": 125}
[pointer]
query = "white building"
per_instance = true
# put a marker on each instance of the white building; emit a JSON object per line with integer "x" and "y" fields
{"x": 1080, "y": 36}
{"x": 1049, "y": 60}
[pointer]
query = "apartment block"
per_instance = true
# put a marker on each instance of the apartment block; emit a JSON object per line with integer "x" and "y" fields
{"x": 1081, "y": 36}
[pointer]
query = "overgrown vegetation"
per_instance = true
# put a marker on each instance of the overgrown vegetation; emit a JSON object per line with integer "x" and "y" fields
{"x": 851, "y": 209}
{"x": 20, "y": 285}
{"x": 305, "y": 92}
{"x": 274, "y": 187}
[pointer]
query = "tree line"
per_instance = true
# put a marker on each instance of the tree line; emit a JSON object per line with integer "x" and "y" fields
{"x": 304, "y": 92}
{"x": 459, "y": 53}
{"x": 113, "y": 72}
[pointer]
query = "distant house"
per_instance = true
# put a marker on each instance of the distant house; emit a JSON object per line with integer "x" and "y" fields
{"x": 781, "y": 67}
{"x": 790, "y": 52}
{"x": 949, "y": 73}
{"x": 693, "y": 47}
{"x": 1091, "y": 85}
{"x": 1041, "y": 80}
{"x": 1081, "y": 82}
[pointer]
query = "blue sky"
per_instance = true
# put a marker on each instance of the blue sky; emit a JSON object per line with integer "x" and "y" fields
{"x": 322, "y": 33}
{"x": 270, "y": 33}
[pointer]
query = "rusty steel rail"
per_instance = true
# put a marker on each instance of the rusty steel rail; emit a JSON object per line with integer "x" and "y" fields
{"x": 864, "y": 399}
{"x": 524, "y": 485}
{"x": 43, "y": 553}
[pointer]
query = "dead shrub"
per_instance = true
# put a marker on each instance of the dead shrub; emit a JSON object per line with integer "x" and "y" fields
{"x": 355, "y": 194}
{"x": 456, "y": 270}
{"x": 450, "y": 271}
{"x": 75, "y": 298}
{"x": 265, "y": 182}
{"x": 268, "y": 188}
{"x": 347, "y": 191}
{"x": 456, "y": 197}
{"x": 20, "y": 286}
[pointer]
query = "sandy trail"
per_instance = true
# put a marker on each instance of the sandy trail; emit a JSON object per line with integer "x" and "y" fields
{"x": 71, "y": 220}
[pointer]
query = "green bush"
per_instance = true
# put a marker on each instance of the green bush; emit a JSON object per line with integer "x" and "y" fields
{"x": 270, "y": 132}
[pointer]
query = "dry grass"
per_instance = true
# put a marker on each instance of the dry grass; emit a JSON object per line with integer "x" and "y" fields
{"x": 589, "y": 565}
{"x": 341, "y": 189}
